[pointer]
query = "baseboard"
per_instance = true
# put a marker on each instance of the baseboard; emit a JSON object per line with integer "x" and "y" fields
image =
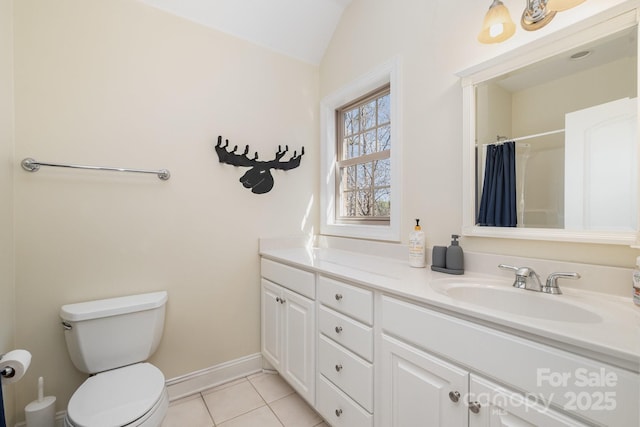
{"x": 198, "y": 381}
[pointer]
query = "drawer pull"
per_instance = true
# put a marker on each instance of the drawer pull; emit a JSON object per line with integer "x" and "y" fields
{"x": 338, "y": 412}
{"x": 474, "y": 407}
{"x": 454, "y": 396}
{"x": 338, "y": 297}
{"x": 338, "y": 329}
{"x": 338, "y": 368}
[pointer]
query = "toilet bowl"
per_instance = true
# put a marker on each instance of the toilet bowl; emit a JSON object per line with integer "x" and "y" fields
{"x": 131, "y": 396}
{"x": 111, "y": 339}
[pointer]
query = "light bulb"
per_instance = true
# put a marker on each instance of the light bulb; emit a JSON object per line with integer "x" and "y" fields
{"x": 495, "y": 30}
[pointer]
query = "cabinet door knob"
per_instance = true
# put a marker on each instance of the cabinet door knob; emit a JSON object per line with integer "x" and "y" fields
{"x": 454, "y": 396}
{"x": 338, "y": 329}
{"x": 338, "y": 368}
{"x": 277, "y": 299}
{"x": 282, "y": 300}
{"x": 338, "y": 297}
{"x": 338, "y": 412}
{"x": 474, "y": 407}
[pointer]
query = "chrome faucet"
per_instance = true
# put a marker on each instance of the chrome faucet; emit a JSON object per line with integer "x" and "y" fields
{"x": 523, "y": 274}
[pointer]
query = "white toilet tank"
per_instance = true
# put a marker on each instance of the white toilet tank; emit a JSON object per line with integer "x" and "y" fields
{"x": 110, "y": 333}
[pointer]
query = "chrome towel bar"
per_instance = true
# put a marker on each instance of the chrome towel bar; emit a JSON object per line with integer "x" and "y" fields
{"x": 32, "y": 165}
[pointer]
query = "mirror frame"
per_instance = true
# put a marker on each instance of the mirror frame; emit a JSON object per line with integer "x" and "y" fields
{"x": 586, "y": 31}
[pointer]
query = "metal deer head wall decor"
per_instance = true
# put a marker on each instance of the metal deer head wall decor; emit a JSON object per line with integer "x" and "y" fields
{"x": 258, "y": 178}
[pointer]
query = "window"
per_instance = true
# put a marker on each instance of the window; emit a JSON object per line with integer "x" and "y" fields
{"x": 361, "y": 148}
{"x": 364, "y": 159}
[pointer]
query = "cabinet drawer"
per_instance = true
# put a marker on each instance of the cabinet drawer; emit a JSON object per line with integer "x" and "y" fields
{"x": 297, "y": 280}
{"x": 350, "y": 300}
{"x": 338, "y": 409}
{"x": 349, "y": 333}
{"x": 347, "y": 371}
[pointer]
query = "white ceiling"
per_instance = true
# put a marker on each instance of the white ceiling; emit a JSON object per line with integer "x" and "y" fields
{"x": 298, "y": 28}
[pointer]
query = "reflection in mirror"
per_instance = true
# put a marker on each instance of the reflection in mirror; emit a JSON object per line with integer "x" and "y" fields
{"x": 573, "y": 120}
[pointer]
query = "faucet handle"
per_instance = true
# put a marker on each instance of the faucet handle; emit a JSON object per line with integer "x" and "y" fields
{"x": 552, "y": 282}
{"x": 521, "y": 275}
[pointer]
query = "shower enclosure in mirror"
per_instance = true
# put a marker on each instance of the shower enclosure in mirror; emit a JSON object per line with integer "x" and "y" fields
{"x": 551, "y": 139}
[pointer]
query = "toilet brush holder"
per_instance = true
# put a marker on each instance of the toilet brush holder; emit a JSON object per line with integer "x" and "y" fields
{"x": 41, "y": 412}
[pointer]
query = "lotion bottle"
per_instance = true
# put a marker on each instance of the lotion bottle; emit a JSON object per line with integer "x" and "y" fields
{"x": 416, "y": 246}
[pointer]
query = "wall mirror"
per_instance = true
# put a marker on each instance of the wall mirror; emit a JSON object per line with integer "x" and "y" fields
{"x": 561, "y": 117}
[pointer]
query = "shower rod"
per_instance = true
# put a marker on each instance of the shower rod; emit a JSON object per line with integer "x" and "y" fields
{"x": 32, "y": 165}
{"x": 522, "y": 138}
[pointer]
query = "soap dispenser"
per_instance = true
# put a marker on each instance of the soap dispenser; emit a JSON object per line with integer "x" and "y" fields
{"x": 455, "y": 256}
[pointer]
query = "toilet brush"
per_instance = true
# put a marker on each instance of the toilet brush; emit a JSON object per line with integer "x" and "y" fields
{"x": 41, "y": 412}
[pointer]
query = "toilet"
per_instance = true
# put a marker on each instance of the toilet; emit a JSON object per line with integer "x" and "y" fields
{"x": 111, "y": 339}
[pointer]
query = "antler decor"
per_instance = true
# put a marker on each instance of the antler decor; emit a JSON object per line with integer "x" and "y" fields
{"x": 259, "y": 177}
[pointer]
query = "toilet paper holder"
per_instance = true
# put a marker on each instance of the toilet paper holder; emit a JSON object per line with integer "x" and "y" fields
{"x": 7, "y": 371}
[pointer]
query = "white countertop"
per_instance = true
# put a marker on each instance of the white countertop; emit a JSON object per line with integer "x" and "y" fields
{"x": 615, "y": 340}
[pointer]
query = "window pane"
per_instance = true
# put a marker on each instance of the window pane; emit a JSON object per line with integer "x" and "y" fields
{"x": 384, "y": 138}
{"x": 382, "y": 174}
{"x": 365, "y": 175}
{"x": 382, "y": 203}
{"x": 349, "y": 204}
{"x": 351, "y": 122}
{"x": 368, "y": 115}
{"x": 383, "y": 110}
{"x": 369, "y": 142}
{"x": 351, "y": 147}
{"x": 364, "y": 203}
{"x": 350, "y": 182}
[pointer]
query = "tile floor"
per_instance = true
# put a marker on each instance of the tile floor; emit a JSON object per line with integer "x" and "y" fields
{"x": 262, "y": 399}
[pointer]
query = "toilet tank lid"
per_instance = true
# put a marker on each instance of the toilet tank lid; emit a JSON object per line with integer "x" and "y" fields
{"x": 112, "y": 306}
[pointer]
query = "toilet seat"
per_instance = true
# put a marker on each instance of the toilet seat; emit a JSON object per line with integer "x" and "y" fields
{"x": 119, "y": 397}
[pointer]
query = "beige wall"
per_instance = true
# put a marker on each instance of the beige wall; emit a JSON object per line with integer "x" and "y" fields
{"x": 7, "y": 277}
{"x": 435, "y": 40}
{"x": 118, "y": 83}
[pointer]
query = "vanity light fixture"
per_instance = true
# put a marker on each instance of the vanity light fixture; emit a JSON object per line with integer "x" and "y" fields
{"x": 498, "y": 26}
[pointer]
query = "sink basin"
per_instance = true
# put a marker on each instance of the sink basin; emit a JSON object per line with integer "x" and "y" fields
{"x": 510, "y": 300}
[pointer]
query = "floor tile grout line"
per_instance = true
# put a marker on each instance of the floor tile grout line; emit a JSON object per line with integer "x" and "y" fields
{"x": 204, "y": 402}
{"x": 200, "y": 395}
{"x": 239, "y": 415}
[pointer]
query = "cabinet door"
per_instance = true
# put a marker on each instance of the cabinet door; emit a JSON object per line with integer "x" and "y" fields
{"x": 299, "y": 344}
{"x": 271, "y": 323}
{"x": 415, "y": 389}
{"x": 494, "y": 406}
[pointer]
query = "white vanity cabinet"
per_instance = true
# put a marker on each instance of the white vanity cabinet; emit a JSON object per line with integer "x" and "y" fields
{"x": 418, "y": 388}
{"x": 289, "y": 324}
{"x": 345, "y": 354}
{"x": 376, "y": 357}
{"x": 429, "y": 353}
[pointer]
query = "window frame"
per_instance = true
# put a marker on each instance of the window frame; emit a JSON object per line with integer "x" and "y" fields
{"x": 385, "y": 74}
{"x": 357, "y": 160}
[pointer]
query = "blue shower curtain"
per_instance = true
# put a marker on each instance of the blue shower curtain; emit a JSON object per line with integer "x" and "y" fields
{"x": 498, "y": 203}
